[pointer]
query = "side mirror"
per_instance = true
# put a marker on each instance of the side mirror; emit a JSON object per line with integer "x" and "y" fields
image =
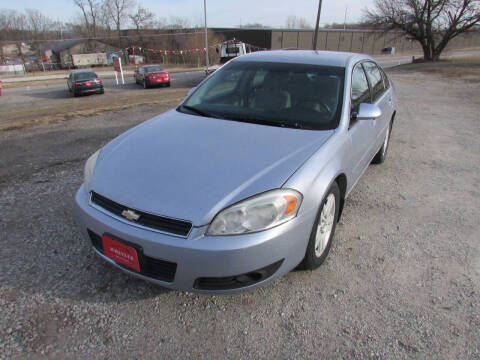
{"x": 368, "y": 112}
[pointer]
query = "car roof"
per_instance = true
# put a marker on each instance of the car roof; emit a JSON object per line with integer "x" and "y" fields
{"x": 313, "y": 57}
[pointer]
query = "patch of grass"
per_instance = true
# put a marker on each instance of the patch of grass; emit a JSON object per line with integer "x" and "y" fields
{"x": 71, "y": 108}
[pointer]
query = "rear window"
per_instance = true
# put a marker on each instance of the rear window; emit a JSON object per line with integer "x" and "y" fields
{"x": 84, "y": 76}
{"x": 153, "y": 69}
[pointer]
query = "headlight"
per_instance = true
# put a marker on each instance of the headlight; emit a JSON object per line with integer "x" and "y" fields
{"x": 89, "y": 169}
{"x": 257, "y": 213}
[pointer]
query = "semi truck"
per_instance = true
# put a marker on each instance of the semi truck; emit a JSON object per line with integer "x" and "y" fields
{"x": 227, "y": 51}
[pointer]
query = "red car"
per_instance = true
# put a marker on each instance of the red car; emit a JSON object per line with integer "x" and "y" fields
{"x": 151, "y": 75}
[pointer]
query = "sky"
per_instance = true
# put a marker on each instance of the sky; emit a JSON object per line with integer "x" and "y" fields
{"x": 220, "y": 13}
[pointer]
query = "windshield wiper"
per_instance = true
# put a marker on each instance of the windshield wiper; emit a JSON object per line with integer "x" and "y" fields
{"x": 262, "y": 121}
{"x": 198, "y": 111}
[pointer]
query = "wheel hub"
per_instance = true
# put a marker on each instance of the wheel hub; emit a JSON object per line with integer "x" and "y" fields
{"x": 325, "y": 225}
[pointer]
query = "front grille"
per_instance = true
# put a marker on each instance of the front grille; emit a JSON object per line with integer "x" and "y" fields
{"x": 173, "y": 226}
{"x": 150, "y": 267}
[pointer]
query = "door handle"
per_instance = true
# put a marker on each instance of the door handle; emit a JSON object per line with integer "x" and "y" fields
{"x": 390, "y": 102}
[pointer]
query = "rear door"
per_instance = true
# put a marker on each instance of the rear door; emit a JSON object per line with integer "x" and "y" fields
{"x": 380, "y": 97}
{"x": 362, "y": 132}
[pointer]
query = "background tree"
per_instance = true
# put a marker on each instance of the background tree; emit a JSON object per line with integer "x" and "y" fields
{"x": 118, "y": 11}
{"x": 142, "y": 18}
{"x": 433, "y": 23}
{"x": 294, "y": 22}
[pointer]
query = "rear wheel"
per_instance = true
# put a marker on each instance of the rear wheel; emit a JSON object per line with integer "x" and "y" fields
{"x": 382, "y": 153}
{"x": 323, "y": 230}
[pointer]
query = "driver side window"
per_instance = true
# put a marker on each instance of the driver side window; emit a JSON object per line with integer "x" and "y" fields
{"x": 360, "y": 89}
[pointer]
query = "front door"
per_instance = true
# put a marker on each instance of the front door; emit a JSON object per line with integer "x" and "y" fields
{"x": 361, "y": 132}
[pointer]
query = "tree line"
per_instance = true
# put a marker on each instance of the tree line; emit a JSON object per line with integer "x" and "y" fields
{"x": 95, "y": 19}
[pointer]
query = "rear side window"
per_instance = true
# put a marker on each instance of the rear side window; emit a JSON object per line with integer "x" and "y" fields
{"x": 153, "y": 69}
{"x": 376, "y": 80}
{"x": 360, "y": 89}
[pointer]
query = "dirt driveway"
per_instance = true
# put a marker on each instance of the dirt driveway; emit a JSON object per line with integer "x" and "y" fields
{"x": 402, "y": 280}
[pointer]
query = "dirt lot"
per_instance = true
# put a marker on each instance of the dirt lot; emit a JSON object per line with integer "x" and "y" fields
{"x": 402, "y": 280}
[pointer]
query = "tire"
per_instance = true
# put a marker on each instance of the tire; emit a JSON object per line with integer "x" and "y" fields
{"x": 319, "y": 246}
{"x": 382, "y": 153}
{"x": 167, "y": 85}
{"x": 75, "y": 94}
{"x": 102, "y": 91}
{"x": 144, "y": 84}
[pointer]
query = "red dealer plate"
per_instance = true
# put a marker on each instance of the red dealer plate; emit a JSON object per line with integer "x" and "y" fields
{"x": 120, "y": 253}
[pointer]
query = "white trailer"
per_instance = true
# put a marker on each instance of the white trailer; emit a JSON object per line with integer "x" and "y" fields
{"x": 81, "y": 60}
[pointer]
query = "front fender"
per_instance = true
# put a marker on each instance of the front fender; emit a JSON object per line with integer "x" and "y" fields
{"x": 317, "y": 174}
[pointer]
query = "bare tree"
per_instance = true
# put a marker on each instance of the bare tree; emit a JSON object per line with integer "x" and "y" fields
{"x": 91, "y": 11}
{"x": 142, "y": 18}
{"x": 118, "y": 11}
{"x": 104, "y": 19}
{"x": 302, "y": 23}
{"x": 291, "y": 22}
{"x": 178, "y": 22}
{"x": 37, "y": 23}
{"x": 294, "y": 22}
{"x": 93, "y": 6}
{"x": 433, "y": 23}
{"x": 83, "y": 7}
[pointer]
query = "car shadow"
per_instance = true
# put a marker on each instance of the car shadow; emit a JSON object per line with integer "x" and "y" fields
{"x": 51, "y": 94}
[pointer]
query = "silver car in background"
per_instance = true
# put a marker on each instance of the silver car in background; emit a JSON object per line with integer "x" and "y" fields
{"x": 246, "y": 179}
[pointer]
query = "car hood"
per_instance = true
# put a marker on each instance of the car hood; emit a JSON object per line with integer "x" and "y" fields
{"x": 190, "y": 167}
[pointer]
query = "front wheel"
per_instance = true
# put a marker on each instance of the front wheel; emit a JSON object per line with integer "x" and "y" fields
{"x": 323, "y": 230}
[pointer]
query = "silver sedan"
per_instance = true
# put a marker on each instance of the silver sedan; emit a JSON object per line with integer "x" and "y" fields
{"x": 244, "y": 180}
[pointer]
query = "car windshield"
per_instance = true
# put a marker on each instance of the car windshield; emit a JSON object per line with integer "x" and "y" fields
{"x": 85, "y": 76}
{"x": 277, "y": 94}
{"x": 155, "y": 68}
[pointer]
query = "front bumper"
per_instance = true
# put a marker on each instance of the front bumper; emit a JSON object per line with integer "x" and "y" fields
{"x": 199, "y": 256}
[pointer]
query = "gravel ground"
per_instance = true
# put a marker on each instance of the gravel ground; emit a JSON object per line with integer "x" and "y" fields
{"x": 402, "y": 280}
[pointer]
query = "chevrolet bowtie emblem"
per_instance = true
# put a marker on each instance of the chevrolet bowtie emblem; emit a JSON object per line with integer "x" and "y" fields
{"x": 130, "y": 215}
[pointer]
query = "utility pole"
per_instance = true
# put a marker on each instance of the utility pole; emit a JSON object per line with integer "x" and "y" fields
{"x": 345, "y": 19}
{"x": 206, "y": 37}
{"x": 315, "y": 36}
